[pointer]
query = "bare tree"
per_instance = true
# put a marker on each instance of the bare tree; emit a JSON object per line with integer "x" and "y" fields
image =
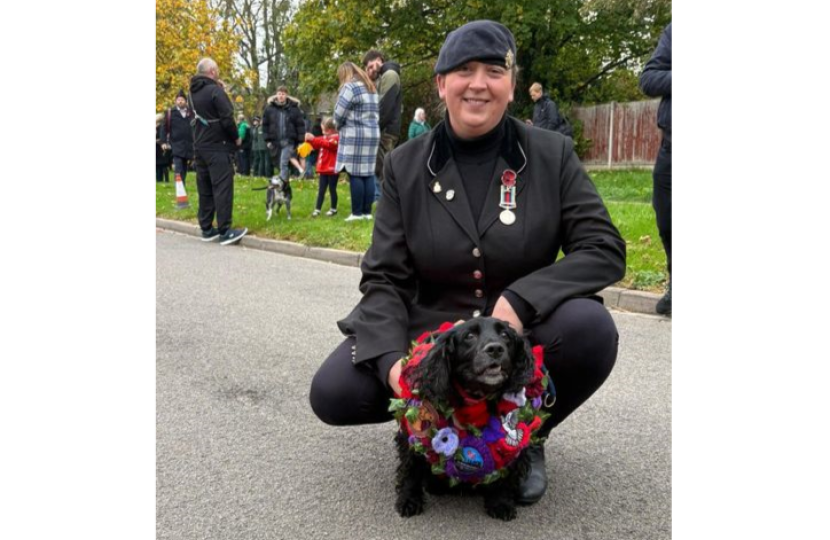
{"x": 259, "y": 25}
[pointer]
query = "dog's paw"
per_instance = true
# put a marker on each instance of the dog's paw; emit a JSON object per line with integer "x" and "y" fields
{"x": 502, "y": 511}
{"x": 268, "y": 214}
{"x": 409, "y": 506}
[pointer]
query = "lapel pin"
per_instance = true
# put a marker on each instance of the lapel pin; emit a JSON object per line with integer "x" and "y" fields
{"x": 450, "y": 194}
{"x": 436, "y": 187}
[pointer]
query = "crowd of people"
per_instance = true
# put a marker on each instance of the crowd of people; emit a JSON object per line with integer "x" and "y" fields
{"x": 367, "y": 120}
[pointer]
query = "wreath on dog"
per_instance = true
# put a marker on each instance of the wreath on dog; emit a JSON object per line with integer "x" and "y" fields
{"x": 468, "y": 443}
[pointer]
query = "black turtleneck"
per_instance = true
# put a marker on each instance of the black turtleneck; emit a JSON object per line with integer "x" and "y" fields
{"x": 476, "y": 159}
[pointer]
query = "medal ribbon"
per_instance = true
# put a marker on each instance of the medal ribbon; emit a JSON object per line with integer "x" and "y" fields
{"x": 508, "y": 190}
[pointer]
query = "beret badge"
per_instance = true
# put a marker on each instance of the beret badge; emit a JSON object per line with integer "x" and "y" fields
{"x": 508, "y": 59}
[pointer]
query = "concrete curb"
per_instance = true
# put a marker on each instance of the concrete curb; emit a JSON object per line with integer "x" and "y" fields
{"x": 615, "y": 297}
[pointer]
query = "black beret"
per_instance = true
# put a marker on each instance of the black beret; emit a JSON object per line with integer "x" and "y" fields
{"x": 181, "y": 94}
{"x": 482, "y": 41}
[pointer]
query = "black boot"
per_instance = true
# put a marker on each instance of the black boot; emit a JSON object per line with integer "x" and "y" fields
{"x": 664, "y": 305}
{"x": 534, "y": 486}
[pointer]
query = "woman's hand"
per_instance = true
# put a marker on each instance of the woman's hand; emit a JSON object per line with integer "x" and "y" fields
{"x": 505, "y": 312}
{"x": 394, "y": 376}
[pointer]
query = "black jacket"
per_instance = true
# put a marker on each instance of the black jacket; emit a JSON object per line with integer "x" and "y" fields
{"x": 545, "y": 113}
{"x": 216, "y": 131}
{"x": 180, "y": 136}
{"x": 283, "y": 122}
{"x": 546, "y": 116}
{"x": 429, "y": 262}
{"x": 655, "y": 81}
{"x": 390, "y": 99}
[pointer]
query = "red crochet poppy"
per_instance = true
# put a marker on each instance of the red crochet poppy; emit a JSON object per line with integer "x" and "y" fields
{"x": 472, "y": 414}
{"x": 509, "y": 452}
{"x": 508, "y": 178}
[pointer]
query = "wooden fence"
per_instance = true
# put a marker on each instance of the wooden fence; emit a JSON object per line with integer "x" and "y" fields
{"x": 629, "y": 130}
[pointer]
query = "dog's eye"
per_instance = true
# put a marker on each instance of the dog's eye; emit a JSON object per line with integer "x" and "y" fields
{"x": 504, "y": 334}
{"x": 470, "y": 336}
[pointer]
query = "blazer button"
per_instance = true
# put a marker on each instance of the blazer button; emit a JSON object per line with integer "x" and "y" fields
{"x": 479, "y": 293}
{"x": 476, "y": 253}
{"x": 477, "y": 274}
{"x": 477, "y": 313}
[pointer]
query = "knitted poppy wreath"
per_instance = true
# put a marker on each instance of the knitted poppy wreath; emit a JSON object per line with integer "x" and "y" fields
{"x": 466, "y": 443}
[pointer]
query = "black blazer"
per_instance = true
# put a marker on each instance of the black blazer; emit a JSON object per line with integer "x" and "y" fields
{"x": 429, "y": 262}
{"x": 180, "y": 137}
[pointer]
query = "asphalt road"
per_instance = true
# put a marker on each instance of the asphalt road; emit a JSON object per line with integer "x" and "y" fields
{"x": 240, "y": 455}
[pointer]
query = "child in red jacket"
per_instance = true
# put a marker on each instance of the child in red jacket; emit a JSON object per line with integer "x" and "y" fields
{"x": 327, "y": 147}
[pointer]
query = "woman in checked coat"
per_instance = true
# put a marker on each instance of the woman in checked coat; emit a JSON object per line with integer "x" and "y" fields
{"x": 356, "y": 114}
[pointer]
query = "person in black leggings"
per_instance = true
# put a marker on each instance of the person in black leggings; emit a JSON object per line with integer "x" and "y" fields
{"x": 470, "y": 223}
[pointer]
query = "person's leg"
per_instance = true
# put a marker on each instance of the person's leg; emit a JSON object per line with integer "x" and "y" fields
{"x": 299, "y": 165}
{"x": 580, "y": 343}
{"x": 387, "y": 144}
{"x": 177, "y": 167}
{"x": 309, "y": 164}
{"x": 343, "y": 394}
{"x": 256, "y": 166}
{"x": 240, "y": 159}
{"x": 285, "y": 157}
{"x": 159, "y": 173}
{"x": 356, "y": 189}
{"x": 331, "y": 179}
{"x": 368, "y": 194}
{"x": 184, "y": 171}
{"x": 321, "y": 193}
{"x": 661, "y": 200}
{"x": 662, "y": 197}
{"x": 207, "y": 205}
{"x": 221, "y": 174}
{"x": 269, "y": 164}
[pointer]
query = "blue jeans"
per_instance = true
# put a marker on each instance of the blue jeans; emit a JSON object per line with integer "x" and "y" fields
{"x": 310, "y": 162}
{"x": 286, "y": 153}
{"x": 363, "y": 194}
{"x": 377, "y": 189}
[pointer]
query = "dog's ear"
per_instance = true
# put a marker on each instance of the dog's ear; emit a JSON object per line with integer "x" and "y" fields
{"x": 523, "y": 362}
{"x": 433, "y": 374}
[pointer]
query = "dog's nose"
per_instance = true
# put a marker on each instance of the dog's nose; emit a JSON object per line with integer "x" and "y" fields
{"x": 494, "y": 349}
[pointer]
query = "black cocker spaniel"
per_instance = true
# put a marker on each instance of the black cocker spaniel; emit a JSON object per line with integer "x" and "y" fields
{"x": 483, "y": 358}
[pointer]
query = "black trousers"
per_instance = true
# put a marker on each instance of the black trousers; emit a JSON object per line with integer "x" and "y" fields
{"x": 214, "y": 180}
{"x": 580, "y": 343}
{"x": 661, "y": 198}
{"x": 162, "y": 173}
{"x": 262, "y": 164}
{"x": 243, "y": 158}
{"x": 180, "y": 167}
{"x": 327, "y": 182}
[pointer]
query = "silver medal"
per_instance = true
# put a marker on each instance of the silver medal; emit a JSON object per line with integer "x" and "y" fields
{"x": 507, "y": 217}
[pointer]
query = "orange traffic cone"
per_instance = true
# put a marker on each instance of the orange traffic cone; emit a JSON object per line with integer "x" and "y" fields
{"x": 181, "y": 194}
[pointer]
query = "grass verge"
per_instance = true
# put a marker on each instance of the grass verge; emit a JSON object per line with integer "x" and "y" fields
{"x": 627, "y": 193}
